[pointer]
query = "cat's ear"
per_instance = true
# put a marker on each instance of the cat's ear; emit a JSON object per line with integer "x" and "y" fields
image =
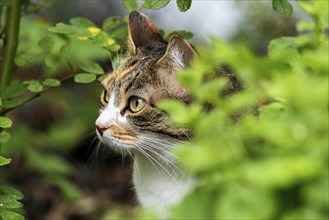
{"x": 142, "y": 31}
{"x": 179, "y": 53}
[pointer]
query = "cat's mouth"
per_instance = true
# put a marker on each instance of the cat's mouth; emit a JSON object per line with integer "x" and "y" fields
{"x": 114, "y": 136}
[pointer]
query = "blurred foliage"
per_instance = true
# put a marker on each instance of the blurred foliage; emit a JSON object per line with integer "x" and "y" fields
{"x": 271, "y": 166}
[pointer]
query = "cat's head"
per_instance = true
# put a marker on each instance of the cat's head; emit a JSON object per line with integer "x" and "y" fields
{"x": 128, "y": 117}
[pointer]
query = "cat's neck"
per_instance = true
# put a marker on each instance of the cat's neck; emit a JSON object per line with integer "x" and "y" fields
{"x": 159, "y": 183}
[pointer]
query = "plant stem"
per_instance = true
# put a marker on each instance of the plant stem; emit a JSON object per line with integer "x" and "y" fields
{"x": 35, "y": 95}
{"x": 10, "y": 43}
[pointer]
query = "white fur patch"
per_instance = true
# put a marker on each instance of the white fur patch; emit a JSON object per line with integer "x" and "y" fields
{"x": 110, "y": 115}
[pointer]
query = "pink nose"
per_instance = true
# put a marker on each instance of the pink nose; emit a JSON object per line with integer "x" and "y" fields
{"x": 101, "y": 129}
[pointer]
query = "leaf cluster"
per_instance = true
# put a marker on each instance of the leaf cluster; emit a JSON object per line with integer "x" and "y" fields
{"x": 256, "y": 164}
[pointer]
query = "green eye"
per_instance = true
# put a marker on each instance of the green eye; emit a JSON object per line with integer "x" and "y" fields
{"x": 136, "y": 104}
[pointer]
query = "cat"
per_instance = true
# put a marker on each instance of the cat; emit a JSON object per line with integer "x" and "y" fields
{"x": 129, "y": 121}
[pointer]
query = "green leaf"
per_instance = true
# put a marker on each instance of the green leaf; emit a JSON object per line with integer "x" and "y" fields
{"x": 15, "y": 88}
{"x": 10, "y": 215}
{"x": 184, "y": 34}
{"x": 46, "y": 44}
{"x": 69, "y": 190}
{"x": 3, "y": 160}
{"x": 114, "y": 47}
{"x": 62, "y": 28}
{"x": 201, "y": 196}
{"x": 5, "y": 122}
{"x": 91, "y": 67}
{"x": 130, "y": 5}
{"x": 282, "y": 7}
{"x": 184, "y": 5}
{"x": 12, "y": 192}
{"x": 51, "y": 82}
{"x": 110, "y": 23}
{"x": 244, "y": 204}
{"x": 12, "y": 102}
{"x": 84, "y": 78}
{"x": 52, "y": 60}
{"x": 81, "y": 22}
{"x": 26, "y": 58}
{"x": 155, "y": 4}
{"x": 4, "y": 137}
{"x": 34, "y": 85}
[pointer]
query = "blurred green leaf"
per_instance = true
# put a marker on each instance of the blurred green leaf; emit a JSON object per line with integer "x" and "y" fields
{"x": 26, "y": 58}
{"x": 62, "y": 28}
{"x": 12, "y": 102}
{"x": 184, "y": 5}
{"x": 281, "y": 172}
{"x": 4, "y": 137}
{"x": 84, "y": 78}
{"x": 91, "y": 67}
{"x": 188, "y": 209}
{"x": 244, "y": 204}
{"x": 34, "y": 85}
{"x": 114, "y": 47}
{"x": 15, "y": 88}
{"x": 51, "y": 82}
{"x": 155, "y": 4}
{"x": 5, "y": 122}
{"x": 48, "y": 163}
{"x": 70, "y": 191}
{"x": 130, "y": 5}
{"x": 110, "y": 23}
{"x": 46, "y": 44}
{"x": 52, "y": 60}
{"x": 3, "y": 160}
{"x": 10, "y": 215}
{"x": 282, "y": 6}
{"x": 184, "y": 34}
{"x": 81, "y": 22}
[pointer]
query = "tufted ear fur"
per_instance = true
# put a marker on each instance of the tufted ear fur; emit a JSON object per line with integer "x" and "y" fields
{"x": 179, "y": 53}
{"x": 142, "y": 32}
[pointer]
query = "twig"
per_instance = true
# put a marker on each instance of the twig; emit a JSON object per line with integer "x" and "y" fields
{"x": 10, "y": 42}
{"x": 35, "y": 95}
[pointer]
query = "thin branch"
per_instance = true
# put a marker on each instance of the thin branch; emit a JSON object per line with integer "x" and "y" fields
{"x": 35, "y": 95}
{"x": 10, "y": 42}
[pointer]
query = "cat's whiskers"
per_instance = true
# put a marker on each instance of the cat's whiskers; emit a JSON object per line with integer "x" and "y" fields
{"x": 149, "y": 156}
{"x": 168, "y": 163}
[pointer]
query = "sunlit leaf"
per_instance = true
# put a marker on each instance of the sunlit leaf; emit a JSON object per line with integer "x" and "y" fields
{"x": 155, "y": 4}
{"x": 282, "y": 6}
{"x": 81, "y": 22}
{"x": 91, "y": 67}
{"x": 5, "y": 122}
{"x": 62, "y": 28}
{"x": 130, "y": 5}
{"x": 184, "y": 5}
{"x": 51, "y": 82}
{"x": 34, "y": 85}
{"x": 3, "y": 160}
{"x": 10, "y": 215}
{"x": 84, "y": 78}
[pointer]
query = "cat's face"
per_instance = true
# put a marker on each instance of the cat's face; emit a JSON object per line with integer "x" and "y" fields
{"x": 128, "y": 117}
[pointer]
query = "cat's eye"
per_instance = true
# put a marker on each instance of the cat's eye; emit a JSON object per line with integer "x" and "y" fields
{"x": 136, "y": 104}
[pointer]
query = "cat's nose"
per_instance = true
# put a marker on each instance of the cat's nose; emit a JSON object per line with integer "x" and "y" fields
{"x": 101, "y": 129}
